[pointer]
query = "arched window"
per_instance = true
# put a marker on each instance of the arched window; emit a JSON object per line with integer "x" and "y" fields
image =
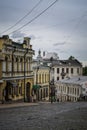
{"x": 21, "y": 62}
{"x": 6, "y": 59}
{"x": 17, "y": 60}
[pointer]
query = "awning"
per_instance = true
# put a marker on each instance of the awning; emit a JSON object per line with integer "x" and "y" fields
{"x": 35, "y": 87}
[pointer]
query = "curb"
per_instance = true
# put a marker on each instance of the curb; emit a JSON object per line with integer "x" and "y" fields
{"x": 2, "y": 106}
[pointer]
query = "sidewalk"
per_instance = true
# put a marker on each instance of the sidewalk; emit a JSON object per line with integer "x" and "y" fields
{"x": 16, "y": 105}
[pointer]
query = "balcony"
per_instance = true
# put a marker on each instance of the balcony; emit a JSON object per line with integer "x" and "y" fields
{"x": 63, "y": 74}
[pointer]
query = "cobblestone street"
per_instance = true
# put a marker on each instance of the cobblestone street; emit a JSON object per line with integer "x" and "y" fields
{"x": 45, "y": 116}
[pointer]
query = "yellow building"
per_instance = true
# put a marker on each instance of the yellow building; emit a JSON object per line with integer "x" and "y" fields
{"x": 16, "y": 75}
{"x": 41, "y": 82}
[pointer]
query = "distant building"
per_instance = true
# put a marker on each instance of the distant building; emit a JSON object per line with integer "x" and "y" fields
{"x": 57, "y": 69}
{"x": 50, "y": 55}
{"x": 16, "y": 75}
{"x": 62, "y": 69}
{"x": 72, "y": 89}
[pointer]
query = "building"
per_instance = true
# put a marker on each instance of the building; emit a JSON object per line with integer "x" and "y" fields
{"x": 58, "y": 69}
{"x": 72, "y": 89}
{"x": 66, "y": 68}
{"x": 41, "y": 82}
{"x": 16, "y": 75}
{"x": 41, "y": 78}
{"x": 61, "y": 69}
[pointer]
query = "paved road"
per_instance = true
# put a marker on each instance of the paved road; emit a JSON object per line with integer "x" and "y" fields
{"x": 45, "y": 116}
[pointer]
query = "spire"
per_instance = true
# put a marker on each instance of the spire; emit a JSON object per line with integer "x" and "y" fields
{"x": 39, "y": 52}
{"x": 39, "y": 58}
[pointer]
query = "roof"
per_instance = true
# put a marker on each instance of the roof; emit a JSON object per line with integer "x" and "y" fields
{"x": 41, "y": 67}
{"x": 74, "y": 80}
{"x": 74, "y": 62}
{"x": 18, "y": 45}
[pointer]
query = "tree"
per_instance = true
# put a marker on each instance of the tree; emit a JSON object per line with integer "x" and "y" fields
{"x": 71, "y": 58}
{"x": 85, "y": 71}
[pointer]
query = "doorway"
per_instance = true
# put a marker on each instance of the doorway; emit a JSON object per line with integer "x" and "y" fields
{"x": 28, "y": 92}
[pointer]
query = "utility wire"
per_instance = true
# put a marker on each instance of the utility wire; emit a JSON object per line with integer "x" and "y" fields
{"x": 22, "y": 18}
{"x": 35, "y": 17}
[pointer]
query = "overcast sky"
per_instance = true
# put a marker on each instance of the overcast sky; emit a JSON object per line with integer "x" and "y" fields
{"x": 61, "y": 29}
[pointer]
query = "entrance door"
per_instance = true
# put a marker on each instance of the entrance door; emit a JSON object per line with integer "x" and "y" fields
{"x": 28, "y": 92}
{"x": 7, "y": 90}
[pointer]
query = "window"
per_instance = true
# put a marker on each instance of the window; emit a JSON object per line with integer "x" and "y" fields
{"x": 16, "y": 90}
{"x": 57, "y": 78}
{"x": 62, "y": 69}
{"x": 78, "y": 91}
{"x": 46, "y": 92}
{"x": 39, "y": 78}
{"x": 21, "y": 60}
{"x": 62, "y": 77}
{"x": 20, "y": 90}
{"x": 58, "y": 70}
{"x": 6, "y": 59}
{"x": 67, "y": 70}
{"x": 17, "y": 64}
{"x": 71, "y": 70}
{"x": 45, "y": 78}
{"x": 78, "y": 70}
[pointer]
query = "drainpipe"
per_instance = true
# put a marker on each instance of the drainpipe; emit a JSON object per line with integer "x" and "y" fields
{"x": 25, "y": 75}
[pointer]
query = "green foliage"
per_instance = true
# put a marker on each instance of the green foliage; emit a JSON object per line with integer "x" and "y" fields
{"x": 71, "y": 58}
{"x": 85, "y": 71}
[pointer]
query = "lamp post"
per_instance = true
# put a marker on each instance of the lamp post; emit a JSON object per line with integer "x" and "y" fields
{"x": 52, "y": 90}
{"x": 25, "y": 75}
{"x": 51, "y": 85}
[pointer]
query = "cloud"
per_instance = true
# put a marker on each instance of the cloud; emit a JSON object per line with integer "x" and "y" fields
{"x": 17, "y": 34}
{"x": 59, "y": 44}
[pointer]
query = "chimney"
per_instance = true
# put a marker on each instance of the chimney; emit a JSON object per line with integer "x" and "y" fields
{"x": 27, "y": 41}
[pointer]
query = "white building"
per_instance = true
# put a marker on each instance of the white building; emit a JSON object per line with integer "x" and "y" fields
{"x": 72, "y": 89}
{"x": 60, "y": 69}
{"x": 48, "y": 55}
{"x": 66, "y": 68}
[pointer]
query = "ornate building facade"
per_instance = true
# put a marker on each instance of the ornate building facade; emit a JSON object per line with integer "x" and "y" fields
{"x": 16, "y": 75}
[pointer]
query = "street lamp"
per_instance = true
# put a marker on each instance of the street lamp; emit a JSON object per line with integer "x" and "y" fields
{"x": 25, "y": 75}
{"x": 51, "y": 84}
{"x": 52, "y": 91}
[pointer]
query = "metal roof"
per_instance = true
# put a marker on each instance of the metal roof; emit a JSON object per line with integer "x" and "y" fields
{"x": 74, "y": 80}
